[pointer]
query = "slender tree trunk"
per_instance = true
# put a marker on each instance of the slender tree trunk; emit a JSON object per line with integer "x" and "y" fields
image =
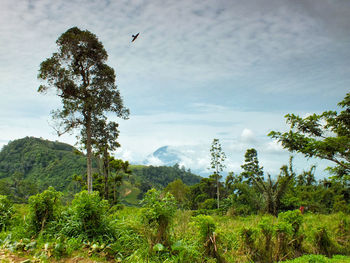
{"x": 114, "y": 193}
{"x": 217, "y": 187}
{"x": 106, "y": 171}
{"x": 89, "y": 153}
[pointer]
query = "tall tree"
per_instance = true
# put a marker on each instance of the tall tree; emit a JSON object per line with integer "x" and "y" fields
{"x": 251, "y": 166}
{"x": 326, "y": 136}
{"x": 85, "y": 84}
{"x": 218, "y": 158}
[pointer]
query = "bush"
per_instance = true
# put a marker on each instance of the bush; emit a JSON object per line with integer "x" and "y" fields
{"x": 248, "y": 237}
{"x": 284, "y": 231}
{"x": 208, "y": 204}
{"x": 267, "y": 229}
{"x": 158, "y": 213}
{"x": 44, "y": 208}
{"x": 295, "y": 219}
{"x": 323, "y": 242}
{"x": 6, "y": 212}
{"x": 88, "y": 217}
{"x": 206, "y": 226}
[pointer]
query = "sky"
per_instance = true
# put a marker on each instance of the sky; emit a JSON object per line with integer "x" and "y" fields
{"x": 199, "y": 70}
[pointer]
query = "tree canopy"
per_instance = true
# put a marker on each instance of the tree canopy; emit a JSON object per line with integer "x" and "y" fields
{"x": 85, "y": 84}
{"x": 325, "y": 136}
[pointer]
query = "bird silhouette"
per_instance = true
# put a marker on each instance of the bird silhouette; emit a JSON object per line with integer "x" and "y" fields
{"x": 134, "y": 37}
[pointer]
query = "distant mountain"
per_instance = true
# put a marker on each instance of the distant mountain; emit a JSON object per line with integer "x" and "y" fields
{"x": 166, "y": 156}
{"x": 191, "y": 157}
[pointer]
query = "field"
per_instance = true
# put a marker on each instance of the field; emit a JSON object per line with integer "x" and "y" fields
{"x": 130, "y": 234}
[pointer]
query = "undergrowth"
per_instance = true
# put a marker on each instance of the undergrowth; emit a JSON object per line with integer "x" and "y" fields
{"x": 45, "y": 230}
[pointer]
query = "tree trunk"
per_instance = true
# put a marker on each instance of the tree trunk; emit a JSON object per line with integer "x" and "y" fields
{"x": 89, "y": 153}
{"x": 218, "y": 190}
{"x": 114, "y": 193}
{"x": 106, "y": 171}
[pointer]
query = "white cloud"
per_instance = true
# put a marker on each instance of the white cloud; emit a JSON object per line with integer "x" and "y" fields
{"x": 247, "y": 135}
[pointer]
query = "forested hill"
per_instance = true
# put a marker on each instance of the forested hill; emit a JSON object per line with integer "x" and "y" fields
{"x": 33, "y": 164}
{"x": 160, "y": 176}
{"x": 42, "y": 162}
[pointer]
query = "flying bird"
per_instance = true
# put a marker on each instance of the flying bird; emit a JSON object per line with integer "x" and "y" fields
{"x": 134, "y": 37}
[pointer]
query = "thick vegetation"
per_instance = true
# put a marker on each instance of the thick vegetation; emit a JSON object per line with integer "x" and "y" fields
{"x": 88, "y": 227}
{"x": 30, "y": 165}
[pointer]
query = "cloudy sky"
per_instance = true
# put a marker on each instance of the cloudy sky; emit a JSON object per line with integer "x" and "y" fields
{"x": 225, "y": 69}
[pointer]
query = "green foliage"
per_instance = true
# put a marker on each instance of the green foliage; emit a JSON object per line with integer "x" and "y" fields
{"x": 6, "y": 212}
{"x": 326, "y": 136}
{"x": 88, "y": 217}
{"x": 267, "y": 229}
{"x": 251, "y": 168}
{"x": 208, "y": 204}
{"x": 86, "y": 85}
{"x": 205, "y": 225}
{"x": 319, "y": 259}
{"x": 248, "y": 237}
{"x": 158, "y": 213}
{"x": 217, "y": 164}
{"x": 147, "y": 177}
{"x": 31, "y": 164}
{"x": 44, "y": 208}
{"x": 294, "y": 218}
{"x": 179, "y": 190}
{"x": 323, "y": 241}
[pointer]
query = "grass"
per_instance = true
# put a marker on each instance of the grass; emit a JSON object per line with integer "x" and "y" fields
{"x": 132, "y": 244}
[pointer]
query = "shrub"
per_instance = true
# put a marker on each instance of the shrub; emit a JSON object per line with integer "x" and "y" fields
{"x": 88, "y": 217}
{"x": 6, "y": 212}
{"x": 284, "y": 231}
{"x": 206, "y": 226}
{"x": 44, "y": 208}
{"x": 323, "y": 242}
{"x": 208, "y": 204}
{"x": 248, "y": 237}
{"x": 295, "y": 219}
{"x": 158, "y": 213}
{"x": 267, "y": 229}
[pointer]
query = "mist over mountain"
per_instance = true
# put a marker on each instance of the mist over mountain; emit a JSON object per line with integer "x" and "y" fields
{"x": 190, "y": 157}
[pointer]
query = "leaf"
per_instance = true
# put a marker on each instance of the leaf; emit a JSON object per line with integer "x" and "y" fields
{"x": 158, "y": 247}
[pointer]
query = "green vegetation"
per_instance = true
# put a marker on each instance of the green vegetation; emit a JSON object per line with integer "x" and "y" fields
{"x": 30, "y": 165}
{"x": 159, "y": 232}
{"x": 251, "y": 217}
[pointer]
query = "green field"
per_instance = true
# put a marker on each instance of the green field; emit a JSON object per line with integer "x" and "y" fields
{"x": 131, "y": 234}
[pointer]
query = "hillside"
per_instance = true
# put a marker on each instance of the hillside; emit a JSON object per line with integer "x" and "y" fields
{"x": 42, "y": 162}
{"x": 39, "y": 163}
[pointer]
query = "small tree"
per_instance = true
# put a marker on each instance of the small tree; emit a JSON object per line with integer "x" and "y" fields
{"x": 217, "y": 164}
{"x": 85, "y": 84}
{"x": 44, "y": 208}
{"x": 251, "y": 167}
{"x": 179, "y": 190}
{"x": 274, "y": 190}
{"x": 119, "y": 168}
